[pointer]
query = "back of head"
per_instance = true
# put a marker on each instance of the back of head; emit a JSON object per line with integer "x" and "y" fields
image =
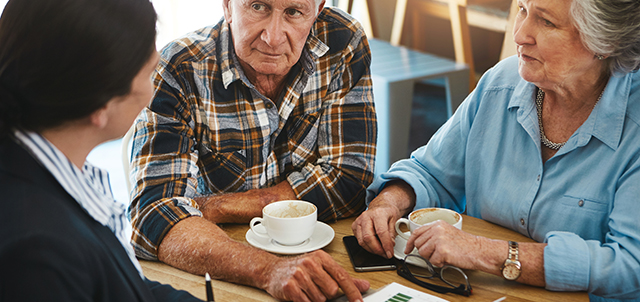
{"x": 611, "y": 28}
{"x": 61, "y": 60}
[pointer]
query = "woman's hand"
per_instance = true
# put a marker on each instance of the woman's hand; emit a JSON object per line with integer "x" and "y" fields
{"x": 375, "y": 228}
{"x": 442, "y": 243}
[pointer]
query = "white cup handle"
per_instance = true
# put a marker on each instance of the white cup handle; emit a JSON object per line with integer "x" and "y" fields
{"x": 398, "y": 223}
{"x": 252, "y": 224}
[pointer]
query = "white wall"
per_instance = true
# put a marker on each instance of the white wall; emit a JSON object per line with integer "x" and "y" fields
{"x": 178, "y": 17}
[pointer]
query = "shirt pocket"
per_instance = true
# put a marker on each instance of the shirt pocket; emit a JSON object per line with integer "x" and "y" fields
{"x": 585, "y": 204}
{"x": 303, "y": 139}
{"x": 224, "y": 171}
{"x": 587, "y": 217}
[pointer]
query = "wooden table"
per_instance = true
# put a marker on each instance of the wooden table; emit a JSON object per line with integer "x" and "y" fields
{"x": 486, "y": 287}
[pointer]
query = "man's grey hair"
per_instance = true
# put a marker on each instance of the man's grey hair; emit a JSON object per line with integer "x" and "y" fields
{"x": 610, "y": 28}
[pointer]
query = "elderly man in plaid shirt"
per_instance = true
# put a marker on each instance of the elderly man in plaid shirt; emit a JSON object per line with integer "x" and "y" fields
{"x": 272, "y": 103}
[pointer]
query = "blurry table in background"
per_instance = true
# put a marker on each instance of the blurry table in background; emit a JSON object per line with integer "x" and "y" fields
{"x": 395, "y": 70}
{"x": 486, "y": 287}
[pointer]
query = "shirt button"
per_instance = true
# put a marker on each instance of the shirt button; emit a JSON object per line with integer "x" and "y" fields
{"x": 269, "y": 105}
{"x": 581, "y": 202}
{"x": 312, "y": 119}
{"x": 538, "y": 177}
{"x": 522, "y": 221}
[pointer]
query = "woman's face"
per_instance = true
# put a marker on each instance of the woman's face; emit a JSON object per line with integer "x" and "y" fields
{"x": 126, "y": 108}
{"x": 550, "y": 51}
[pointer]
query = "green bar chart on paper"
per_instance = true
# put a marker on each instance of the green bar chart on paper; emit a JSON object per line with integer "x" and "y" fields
{"x": 399, "y": 297}
{"x": 395, "y": 292}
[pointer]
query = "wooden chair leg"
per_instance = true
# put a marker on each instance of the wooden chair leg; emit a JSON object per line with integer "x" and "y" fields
{"x": 398, "y": 22}
{"x": 462, "y": 37}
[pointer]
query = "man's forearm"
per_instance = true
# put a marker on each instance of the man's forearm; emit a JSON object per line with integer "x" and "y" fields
{"x": 198, "y": 246}
{"x": 241, "y": 207}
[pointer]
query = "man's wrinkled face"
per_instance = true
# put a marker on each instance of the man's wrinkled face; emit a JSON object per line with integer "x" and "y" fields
{"x": 269, "y": 35}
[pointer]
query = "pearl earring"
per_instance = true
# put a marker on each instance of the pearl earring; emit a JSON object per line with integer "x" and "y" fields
{"x": 600, "y": 57}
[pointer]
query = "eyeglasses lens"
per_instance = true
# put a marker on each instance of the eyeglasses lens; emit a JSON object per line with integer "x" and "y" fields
{"x": 454, "y": 276}
{"x": 422, "y": 269}
{"x": 419, "y": 267}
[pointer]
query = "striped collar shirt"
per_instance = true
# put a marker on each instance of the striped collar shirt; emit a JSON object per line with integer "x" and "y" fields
{"x": 89, "y": 187}
{"x": 209, "y": 130}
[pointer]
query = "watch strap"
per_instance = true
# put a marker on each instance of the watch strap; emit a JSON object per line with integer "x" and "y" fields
{"x": 513, "y": 251}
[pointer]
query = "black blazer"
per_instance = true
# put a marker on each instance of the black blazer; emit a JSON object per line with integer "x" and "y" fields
{"x": 51, "y": 249}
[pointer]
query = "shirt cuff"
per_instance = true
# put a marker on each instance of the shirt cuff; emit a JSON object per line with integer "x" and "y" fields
{"x": 407, "y": 176}
{"x": 154, "y": 222}
{"x": 566, "y": 262}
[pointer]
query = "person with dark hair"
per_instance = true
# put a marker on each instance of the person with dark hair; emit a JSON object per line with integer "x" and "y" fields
{"x": 274, "y": 102}
{"x": 546, "y": 145}
{"x": 73, "y": 74}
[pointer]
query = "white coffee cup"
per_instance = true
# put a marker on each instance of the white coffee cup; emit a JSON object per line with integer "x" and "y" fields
{"x": 287, "y": 222}
{"x": 421, "y": 217}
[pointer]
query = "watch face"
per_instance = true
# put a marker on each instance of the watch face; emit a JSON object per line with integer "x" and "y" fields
{"x": 511, "y": 271}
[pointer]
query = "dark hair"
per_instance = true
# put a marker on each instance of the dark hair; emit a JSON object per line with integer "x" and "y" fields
{"x": 61, "y": 60}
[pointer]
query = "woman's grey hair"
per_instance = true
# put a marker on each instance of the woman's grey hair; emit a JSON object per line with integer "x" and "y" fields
{"x": 610, "y": 28}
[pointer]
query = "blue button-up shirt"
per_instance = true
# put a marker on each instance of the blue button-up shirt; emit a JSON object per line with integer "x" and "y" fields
{"x": 584, "y": 201}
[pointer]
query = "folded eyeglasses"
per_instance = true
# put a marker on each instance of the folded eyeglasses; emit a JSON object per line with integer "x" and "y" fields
{"x": 418, "y": 270}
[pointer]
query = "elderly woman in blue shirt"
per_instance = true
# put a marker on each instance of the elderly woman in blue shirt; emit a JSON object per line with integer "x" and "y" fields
{"x": 548, "y": 145}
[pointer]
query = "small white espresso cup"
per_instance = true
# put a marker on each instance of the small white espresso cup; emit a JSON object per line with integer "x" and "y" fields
{"x": 287, "y": 222}
{"x": 421, "y": 217}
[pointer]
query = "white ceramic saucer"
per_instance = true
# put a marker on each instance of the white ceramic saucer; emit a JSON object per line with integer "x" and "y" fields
{"x": 322, "y": 235}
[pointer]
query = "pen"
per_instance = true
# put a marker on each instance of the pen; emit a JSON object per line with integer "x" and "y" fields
{"x": 207, "y": 280}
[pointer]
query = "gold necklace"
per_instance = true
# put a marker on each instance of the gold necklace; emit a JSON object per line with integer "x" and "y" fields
{"x": 543, "y": 138}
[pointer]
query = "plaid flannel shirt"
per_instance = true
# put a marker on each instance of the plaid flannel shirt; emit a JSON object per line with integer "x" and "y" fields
{"x": 209, "y": 131}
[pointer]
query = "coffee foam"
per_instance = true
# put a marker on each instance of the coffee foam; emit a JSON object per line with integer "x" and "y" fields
{"x": 291, "y": 210}
{"x": 425, "y": 216}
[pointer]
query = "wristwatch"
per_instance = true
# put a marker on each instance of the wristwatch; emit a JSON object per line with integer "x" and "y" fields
{"x": 512, "y": 268}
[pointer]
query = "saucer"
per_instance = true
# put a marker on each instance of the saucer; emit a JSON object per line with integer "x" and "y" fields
{"x": 322, "y": 235}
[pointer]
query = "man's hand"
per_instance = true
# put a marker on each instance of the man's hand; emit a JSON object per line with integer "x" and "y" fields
{"x": 375, "y": 228}
{"x": 198, "y": 246}
{"x": 311, "y": 277}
